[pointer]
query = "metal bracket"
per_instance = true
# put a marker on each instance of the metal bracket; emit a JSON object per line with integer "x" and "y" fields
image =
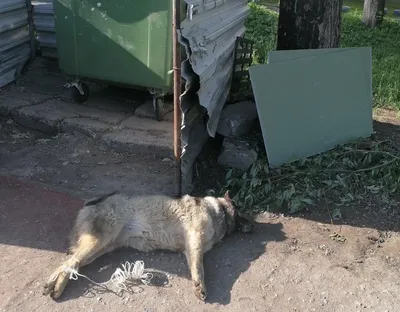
{"x": 157, "y": 92}
{"x": 77, "y": 84}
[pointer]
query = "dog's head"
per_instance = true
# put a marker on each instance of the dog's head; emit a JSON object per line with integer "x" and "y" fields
{"x": 234, "y": 221}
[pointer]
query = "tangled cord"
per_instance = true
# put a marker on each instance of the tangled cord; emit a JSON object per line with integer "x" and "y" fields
{"x": 129, "y": 271}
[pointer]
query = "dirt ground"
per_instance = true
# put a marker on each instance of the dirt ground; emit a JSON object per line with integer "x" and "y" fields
{"x": 287, "y": 264}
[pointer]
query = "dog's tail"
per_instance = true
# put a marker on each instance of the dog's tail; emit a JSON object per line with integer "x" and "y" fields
{"x": 99, "y": 199}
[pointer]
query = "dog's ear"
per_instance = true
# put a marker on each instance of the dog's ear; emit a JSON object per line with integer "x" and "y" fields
{"x": 227, "y": 197}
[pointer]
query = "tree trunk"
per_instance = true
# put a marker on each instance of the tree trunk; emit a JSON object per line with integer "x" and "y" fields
{"x": 373, "y": 12}
{"x": 309, "y": 24}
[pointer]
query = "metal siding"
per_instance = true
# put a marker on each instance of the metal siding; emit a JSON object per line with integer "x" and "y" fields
{"x": 43, "y": 20}
{"x": 209, "y": 35}
{"x": 211, "y": 30}
{"x": 14, "y": 39}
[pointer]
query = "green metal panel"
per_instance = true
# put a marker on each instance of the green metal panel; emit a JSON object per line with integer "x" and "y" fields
{"x": 120, "y": 41}
{"x": 285, "y": 55}
{"x": 313, "y": 101}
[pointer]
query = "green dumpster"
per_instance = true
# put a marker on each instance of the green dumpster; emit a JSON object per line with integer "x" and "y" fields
{"x": 117, "y": 42}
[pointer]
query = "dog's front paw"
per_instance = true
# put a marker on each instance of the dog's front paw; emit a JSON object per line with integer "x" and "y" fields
{"x": 200, "y": 291}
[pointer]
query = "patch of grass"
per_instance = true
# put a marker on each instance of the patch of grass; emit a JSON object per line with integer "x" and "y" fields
{"x": 391, "y": 5}
{"x": 365, "y": 170}
{"x": 262, "y": 26}
{"x": 385, "y": 43}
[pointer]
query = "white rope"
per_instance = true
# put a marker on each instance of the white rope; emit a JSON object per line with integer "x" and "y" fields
{"x": 129, "y": 271}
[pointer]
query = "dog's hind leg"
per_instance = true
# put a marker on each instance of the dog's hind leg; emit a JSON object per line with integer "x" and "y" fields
{"x": 88, "y": 245}
{"x": 94, "y": 234}
{"x": 194, "y": 253}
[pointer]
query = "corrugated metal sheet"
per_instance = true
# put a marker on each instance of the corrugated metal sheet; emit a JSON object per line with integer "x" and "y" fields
{"x": 15, "y": 46}
{"x": 211, "y": 30}
{"x": 43, "y": 20}
{"x": 209, "y": 34}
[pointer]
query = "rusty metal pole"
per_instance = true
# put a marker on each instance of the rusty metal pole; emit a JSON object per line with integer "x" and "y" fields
{"x": 176, "y": 50}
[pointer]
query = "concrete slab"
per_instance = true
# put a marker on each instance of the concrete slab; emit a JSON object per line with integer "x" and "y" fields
{"x": 147, "y": 110}
{"x": 134, "y": 122}
{"x": 46, "y": 89}
{"x": 43, "y": 117}
{"x": 142, "y": 136}
{"x": 95, "y": 113}
{"x": 111, "y": 104}
{"x": 140, "y": 142}
{"x": 108, "y": 99}
{"x": 41, "y": 103}
{"x": 7, "y": 105}
{"x": 87, "y": 126}
{"x": 22, "y": 93}
{"x": 46, "y": 78}
{"x": 47, "y": 116}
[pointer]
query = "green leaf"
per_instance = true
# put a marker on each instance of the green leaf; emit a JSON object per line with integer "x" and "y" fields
{"x": 267, "y": 188}
{"x": 295, "y": 205}
{"x": 300, "y": 184}
{"x": 249, "y": 200}
{"x": 307, "y": 201}
{"x": 228, "y": 174}
{"x": 337, "y": 214}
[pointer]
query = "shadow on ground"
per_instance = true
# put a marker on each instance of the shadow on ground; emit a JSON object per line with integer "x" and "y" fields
{"x": 36, "y": 217}
{"x": 223, "y": 265}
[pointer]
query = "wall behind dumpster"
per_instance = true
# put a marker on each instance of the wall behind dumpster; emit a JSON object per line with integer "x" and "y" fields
{"x": 43, "y": 20}
{"x": 15, "y": 46}
{"x": 209, "y": 34}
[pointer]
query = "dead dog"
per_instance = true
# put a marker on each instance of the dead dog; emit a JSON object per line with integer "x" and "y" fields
{"x": 188, "y": 224}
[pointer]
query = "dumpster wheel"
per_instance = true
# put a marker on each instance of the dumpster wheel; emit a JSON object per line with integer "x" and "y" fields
{"x": 158, "y": 105}
{"x": 77, "y": 96}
